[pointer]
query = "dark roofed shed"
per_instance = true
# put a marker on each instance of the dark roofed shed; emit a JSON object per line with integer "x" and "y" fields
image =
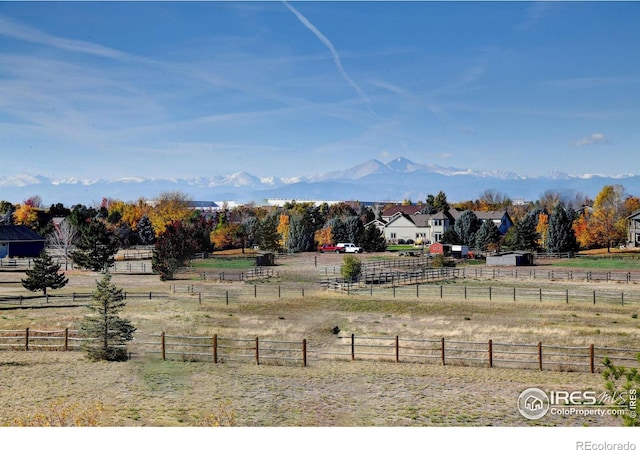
{"x": 20, "y": 241}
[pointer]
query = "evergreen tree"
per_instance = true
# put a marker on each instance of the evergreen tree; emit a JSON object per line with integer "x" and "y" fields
{"x": 561, "y": 237}
{"x": 172, "y": 249}
{"x": 44, "y": 275}
{"x": 108, "y": 332}
{"x": 300, "y": 235}
{"x": 467, "y": 226}
{"x": 338, "y": 230}
{"x": 436, "y": 204}
{"x": 354, "y": 228}
{"x": 96, "y": 247}
{"x": 268, "y": 236}
{"x": 523, "y": 236}
{"x": 373, "y": 240}
{"x": 450, "y": 237}
{"x": 487, "y": 235}
{"x": 146, "y": 235}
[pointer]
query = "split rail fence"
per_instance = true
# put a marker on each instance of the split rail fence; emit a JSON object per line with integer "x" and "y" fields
{"x": 219, "y": 349}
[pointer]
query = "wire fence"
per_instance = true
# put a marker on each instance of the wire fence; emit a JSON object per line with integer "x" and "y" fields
{"x": 219, "y": 349}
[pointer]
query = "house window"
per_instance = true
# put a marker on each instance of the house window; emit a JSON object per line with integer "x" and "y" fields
{"x": 393, "y": 235}
{"x": 437, "y": 237}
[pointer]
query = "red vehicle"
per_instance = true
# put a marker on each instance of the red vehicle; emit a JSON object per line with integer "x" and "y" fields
{"x": 329, "y": 248}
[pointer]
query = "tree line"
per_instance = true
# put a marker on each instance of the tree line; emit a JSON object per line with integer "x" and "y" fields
{"x": 91, "y": 235}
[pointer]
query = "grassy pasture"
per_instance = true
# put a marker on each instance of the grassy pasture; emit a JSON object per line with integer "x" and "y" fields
{"x": 149, "y": 392}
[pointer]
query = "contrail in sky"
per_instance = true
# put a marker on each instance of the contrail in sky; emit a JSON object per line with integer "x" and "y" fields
{"x": 332, "y": 49}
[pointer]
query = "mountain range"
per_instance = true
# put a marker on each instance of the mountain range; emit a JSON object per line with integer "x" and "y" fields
{"x": 372, "y": 180}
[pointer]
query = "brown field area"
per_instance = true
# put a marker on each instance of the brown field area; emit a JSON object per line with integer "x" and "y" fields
{"x": 147, "y": 391}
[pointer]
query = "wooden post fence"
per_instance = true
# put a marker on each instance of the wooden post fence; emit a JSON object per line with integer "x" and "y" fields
{"x": 66, "y": 339}
{"x": 257, "y": 353}
{"x": 26, "y": 340}
{"x": 353, "y": 347}
{"x": 592, "y": 352}
{"x": 490, "y": 353}
{"x": 442, "y": 351}
{"x": 304, "y": 353}
{"x": 540, "y": 355}
{"x": 162, "y": 338}
{"x": 397, "y": 349}
{"x": 215, "y": 349}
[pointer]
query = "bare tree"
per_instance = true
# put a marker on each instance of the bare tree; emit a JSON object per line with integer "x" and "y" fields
{"x": 61, "y": 240}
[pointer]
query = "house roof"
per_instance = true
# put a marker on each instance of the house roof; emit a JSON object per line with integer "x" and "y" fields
{"x": 18, "y": 233}
{"x": 405, "y": 209}
{"x": 635, "y": 215}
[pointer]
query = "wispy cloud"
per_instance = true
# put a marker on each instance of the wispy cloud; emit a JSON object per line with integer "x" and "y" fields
{"x": 15, "y": 30}
{"x": 332, "y": 49}
{"x": 388, "y": 87}
{"x": 535, "y": 13}
{"x": 594, "y": 139}
{"x": 592, "y": 82}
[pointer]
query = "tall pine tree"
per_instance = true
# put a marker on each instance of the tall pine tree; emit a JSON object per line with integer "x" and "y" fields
{"x": 96, "y": 247}
{"x": 560, "y": 234}
{"x": 107, "y": 331}
{"x": 44, "y": 275}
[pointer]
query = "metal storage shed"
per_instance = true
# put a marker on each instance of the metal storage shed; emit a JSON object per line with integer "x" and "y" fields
{"x": 510, "y": 259}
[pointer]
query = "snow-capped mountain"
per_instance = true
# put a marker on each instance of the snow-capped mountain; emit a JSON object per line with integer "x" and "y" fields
{"x": 371, "y": 180}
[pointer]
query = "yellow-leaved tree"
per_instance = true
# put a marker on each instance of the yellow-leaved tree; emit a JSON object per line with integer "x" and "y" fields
{"x": 607, "y": 224}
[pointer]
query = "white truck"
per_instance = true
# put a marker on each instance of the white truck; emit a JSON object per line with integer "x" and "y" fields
{"x": 347, "y": 247}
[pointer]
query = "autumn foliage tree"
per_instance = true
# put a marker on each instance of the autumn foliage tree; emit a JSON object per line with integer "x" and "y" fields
{"x": 607, "y": 224}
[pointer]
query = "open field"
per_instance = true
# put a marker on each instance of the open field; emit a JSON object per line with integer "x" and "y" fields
{"x": 149, "y": 391}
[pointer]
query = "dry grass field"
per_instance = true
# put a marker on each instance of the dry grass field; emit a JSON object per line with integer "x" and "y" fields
{"x": 147, "y": 391}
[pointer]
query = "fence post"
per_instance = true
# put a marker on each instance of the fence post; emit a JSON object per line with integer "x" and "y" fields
{"x": 514, "y": 293}
{"x": 592, "y": 352}
{"x": 353, "y": 347}
{"x": 440, "y": 291}
{"x": 255, "y": 291}
{"x": 279, "y": 292}
{"x": 215, "y": 349}
{"x": 394, "y": 291}
{"x": 442, "y": 351}
{"x": 489, "y": 292}
{"x": 465, "y": 292}
{"x": 540, "y": 294}
{"x": 594, "y": 296}
{"x": 540, "y": 355}
{"x": 567, "y": 296}
{"x": 226, "y": 295}
{"x": 417, "y": 291}
{"x": 257, "y": 353}
{"x": 66, "y": 339}
{"x": 200, "y": 298}
{"x": 302, "y": 292}
{"x": 622, "y": 298}
{"x": 26, "y": 340}
{"x": 490, "y": 353}
{"x": 397, "y": 349}
{"x": 304, "y": 353}
{"x": 149, "y": 295}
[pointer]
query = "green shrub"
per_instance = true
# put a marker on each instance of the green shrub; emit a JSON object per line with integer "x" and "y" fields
{"x": 351, "y": 268}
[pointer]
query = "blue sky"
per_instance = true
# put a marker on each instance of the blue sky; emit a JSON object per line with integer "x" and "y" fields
{"x": 157, "y": 89}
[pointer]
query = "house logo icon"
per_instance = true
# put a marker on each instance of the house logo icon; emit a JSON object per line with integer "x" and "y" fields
{"x": 533, "y": 403}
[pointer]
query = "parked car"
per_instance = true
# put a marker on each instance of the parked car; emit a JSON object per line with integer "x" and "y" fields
{"x": 349, "y": 248}
{"x": 330, "y": 248}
